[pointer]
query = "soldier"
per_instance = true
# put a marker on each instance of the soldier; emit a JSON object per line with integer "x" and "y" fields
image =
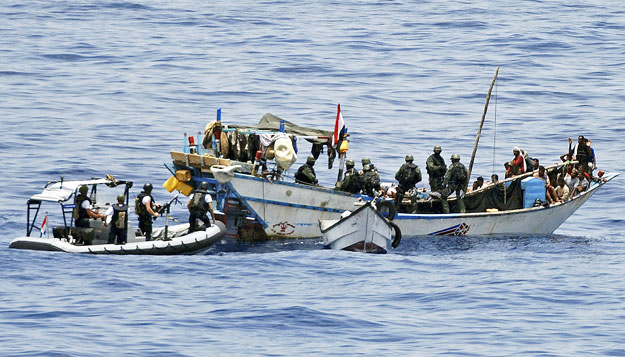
{"x": 367, "y": 161}
{"x": 408, "y": 176}
{"x": 456, "y": 179}
{"x": 436, "y": 168}
{"x": 199, "y": 205}
{"x": 306, "y": 173}
{"x": 145, "y": 208}
{"x": 352, "y": 181}
{"x": 83, "y": 211}
{"x": 371, "y": 181}
{"x": 119, "y": 221}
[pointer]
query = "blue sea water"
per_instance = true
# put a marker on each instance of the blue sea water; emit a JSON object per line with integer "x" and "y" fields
{"x": 94, "y": 87}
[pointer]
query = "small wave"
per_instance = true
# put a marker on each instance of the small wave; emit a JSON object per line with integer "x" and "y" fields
{"x": 66, "y": 57}
{"x": 302, "y": 69}
{"x": 296, "y": 317}
{"x": 127, "y": 5}
{"x": 15, "y": 73}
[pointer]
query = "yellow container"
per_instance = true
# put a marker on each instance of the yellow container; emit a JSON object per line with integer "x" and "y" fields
{"x": 183, "y": 175}
{"x": 184, "y": 188}
{"x": 344, "y": 147}
{"x": 171, "y": 183}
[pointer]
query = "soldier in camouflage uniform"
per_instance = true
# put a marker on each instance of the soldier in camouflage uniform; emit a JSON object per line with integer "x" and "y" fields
{"x": 371, "y": 181}
{"x": 456, "y": 180}
{"x": 367, "y": 161}
{"x": 352, "y": 181}
{"x": 306, "y": 173}
{"x": 436, "y": 167}
{"x": 408, "y": 176}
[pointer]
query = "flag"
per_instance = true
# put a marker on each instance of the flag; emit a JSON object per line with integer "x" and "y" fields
{"x": 339, "y": 129}
{"x": 44, "y": 227}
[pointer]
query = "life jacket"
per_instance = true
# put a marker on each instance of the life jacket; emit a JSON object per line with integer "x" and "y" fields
{"x": 198, "y": 203}
{"x": 140, "y": 209}
{"x": 120, "y": 212}
{"x": 80, "y": 213}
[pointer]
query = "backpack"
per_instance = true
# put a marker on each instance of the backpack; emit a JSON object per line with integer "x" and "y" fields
{"x": 461, "y": 174}
{"x": 140, "y": 209}
{"x": 371, "y": 179}
{"x": 408, "y": 175}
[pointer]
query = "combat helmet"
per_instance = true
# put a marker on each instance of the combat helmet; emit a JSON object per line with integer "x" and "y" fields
{"x": 455, "y": 157}
{"x": 409, "y": 158}
{"x": 204, "y": 185}
{"x": 366, "y": 161}
{"x": 147, "y": 187}
{"x": 83, "y": 189}
{"x": 121, "y": 198}
{"x": 310, "y": 160}
{"x": 437, "y": 147}
{"x": 349, "y": 163}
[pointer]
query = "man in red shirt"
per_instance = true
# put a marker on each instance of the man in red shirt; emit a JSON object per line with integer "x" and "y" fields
{"x": 517, "y": 165}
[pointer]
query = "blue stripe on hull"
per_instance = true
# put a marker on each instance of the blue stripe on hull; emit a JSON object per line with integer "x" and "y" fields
{"x": 295, "y": 205}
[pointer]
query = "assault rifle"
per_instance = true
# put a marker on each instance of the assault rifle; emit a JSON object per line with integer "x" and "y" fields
{"x": 166, "y": 206}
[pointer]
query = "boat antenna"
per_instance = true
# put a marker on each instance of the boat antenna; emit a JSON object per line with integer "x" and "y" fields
{"x": 479, "y": 131}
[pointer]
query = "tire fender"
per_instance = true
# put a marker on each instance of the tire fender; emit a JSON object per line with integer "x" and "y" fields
{"x": 387, "y": 206}
{"x": 397, "y": 239}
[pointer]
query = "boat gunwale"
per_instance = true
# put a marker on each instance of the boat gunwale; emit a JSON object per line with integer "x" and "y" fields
{"x": 353, "y": 214}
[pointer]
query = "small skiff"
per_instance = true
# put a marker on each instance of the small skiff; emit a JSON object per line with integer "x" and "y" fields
{"x": 363, "y": 230}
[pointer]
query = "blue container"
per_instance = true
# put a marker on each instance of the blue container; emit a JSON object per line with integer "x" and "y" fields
{"x": 533, "y": 188}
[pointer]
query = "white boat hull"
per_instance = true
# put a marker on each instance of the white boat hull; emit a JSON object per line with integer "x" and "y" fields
{"x": 193, "y": 243}
{"x": 289, "y": 210}
{"x": 364, "y": 230}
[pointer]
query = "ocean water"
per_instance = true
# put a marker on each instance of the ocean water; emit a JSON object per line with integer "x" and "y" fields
{"x": 95, "y": 87}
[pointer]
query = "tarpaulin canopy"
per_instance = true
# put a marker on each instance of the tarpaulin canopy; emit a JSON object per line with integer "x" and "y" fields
{"x": 271, "y": 122}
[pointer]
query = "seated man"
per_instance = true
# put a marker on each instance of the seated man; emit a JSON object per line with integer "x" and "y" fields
{"x": 550, "y": 192}
{"x": 479, "y": 183}
{"x": 494, "y": 179}
{"x": 306, "y": 173}
{"x": 583, "y": 184}
{"x": 562, "y": 190}
{"x": 508, "y": 168}
{"x": 571, "y": 180}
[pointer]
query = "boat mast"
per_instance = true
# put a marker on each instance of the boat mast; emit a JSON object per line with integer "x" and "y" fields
{"x": 479, "y": 131}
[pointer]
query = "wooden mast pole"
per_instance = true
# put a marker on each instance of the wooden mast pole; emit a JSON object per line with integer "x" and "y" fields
{"x": 479, "y": 131}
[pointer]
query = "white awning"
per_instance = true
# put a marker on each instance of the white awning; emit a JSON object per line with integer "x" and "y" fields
{"x": 62, "y": 191}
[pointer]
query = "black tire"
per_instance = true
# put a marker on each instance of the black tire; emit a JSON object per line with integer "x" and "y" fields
{"x": 397, "y": 239}
{"x": 387, "y": 207}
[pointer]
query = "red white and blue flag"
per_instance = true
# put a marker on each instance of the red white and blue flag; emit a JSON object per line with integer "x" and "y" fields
{"x": 339, "y": 129}
{"x": 44, "y": 227}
